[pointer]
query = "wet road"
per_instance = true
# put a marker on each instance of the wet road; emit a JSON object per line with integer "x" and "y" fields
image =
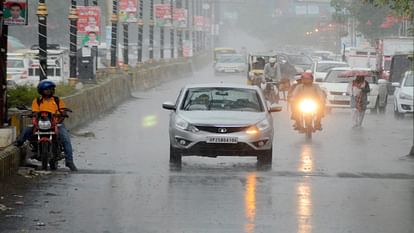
{"x": 344, "y": 180}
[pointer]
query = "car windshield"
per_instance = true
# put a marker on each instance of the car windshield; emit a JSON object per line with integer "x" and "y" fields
{"x": 222, "y": 99}
{"x": 345, "y": 76}
{"x": 15, "y": 63}
{"x": 300, "y": 59}
{"x": 230, "y": 59}
{"x": 325, "y": 67}
{"x": 409, "y": 81}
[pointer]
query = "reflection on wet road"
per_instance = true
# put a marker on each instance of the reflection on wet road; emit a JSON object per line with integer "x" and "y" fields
{"x": 343, "y": 180}
{"x": 250, "y": 203}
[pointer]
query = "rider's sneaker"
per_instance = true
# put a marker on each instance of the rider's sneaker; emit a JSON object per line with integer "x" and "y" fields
{"x": 71, "y": 166}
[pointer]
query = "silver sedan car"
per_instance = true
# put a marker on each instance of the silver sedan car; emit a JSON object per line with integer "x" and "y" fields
{"x": 221, "y": 120}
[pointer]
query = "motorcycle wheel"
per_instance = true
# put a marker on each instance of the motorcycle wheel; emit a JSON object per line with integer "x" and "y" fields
{"x": 308, "y": 127}
{"x": 53, "y": 164}
{"x": 44, "y": 155}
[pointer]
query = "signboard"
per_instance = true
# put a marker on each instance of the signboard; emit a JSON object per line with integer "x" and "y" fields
{"x": 180, "y": 18}
{"x": 15, "y": 12}
{"x": 198, "y": 23}
{"x": 128, "y": 11}
{"x": 89, "y": 32}
{"x": 162, "y": 15}
{"x": 207, "y": 24}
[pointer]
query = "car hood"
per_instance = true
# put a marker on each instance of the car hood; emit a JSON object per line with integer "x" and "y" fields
{"x": 408, "y": 90}
{"x": 222, "y": 118}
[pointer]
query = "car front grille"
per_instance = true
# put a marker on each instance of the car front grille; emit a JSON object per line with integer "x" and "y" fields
{"x": 223, "y": 130}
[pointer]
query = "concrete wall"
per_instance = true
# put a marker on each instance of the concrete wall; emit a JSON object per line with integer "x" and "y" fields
{"x": 115, "y": 86}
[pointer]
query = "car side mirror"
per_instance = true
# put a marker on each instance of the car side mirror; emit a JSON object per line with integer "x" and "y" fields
{"x": 382, "y": 81}
{"x": 395, "y": 84}
{"x": 275, "y": 108}
{"x": 169, "y": 106}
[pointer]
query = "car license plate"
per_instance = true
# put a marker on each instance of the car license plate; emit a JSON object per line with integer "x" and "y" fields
{"x": 341, "y": 98}
{"x": 225, "y": 140}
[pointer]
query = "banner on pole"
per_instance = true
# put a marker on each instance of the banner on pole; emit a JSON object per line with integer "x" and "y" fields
{"x": 162, "y": 15}
{"x": 198, "y": 23}
{"x": 128, "y": 11}
{"x": 89, "y": 21}
{"x": 15, "y": 12}
{"x": 180, "y": 18}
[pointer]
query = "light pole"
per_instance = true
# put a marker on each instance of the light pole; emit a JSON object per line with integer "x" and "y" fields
{"x": 125, "y": 51}
{"x": 73, "y": 18}
{"x": 180, "y": 33}
{"x": 114, "y": 20}
{"x": 3, "y": 68}
{"x": 42, "y": 17}
{"x": 140, "y": 30}
{"x": 172, "y": 39}
{"x": 151, "y": 32}
{"x": 162, "y": 38}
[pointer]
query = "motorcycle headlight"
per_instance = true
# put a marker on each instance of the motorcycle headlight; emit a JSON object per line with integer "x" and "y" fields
{"x": 44, "y": 125}
{"x": 405, "y": 96}
{"x": 308, "y": 106}
{"x": 184, "y": 125}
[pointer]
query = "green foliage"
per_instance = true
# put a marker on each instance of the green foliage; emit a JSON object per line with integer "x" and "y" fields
{"x": 26, "y": 94}
{"x": 399, "y": 7}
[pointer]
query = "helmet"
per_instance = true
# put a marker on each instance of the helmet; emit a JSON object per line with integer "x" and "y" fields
{"x": 307, "y": 75}
{"x": 45, "y": 84}
{"x": 272, "y": 60}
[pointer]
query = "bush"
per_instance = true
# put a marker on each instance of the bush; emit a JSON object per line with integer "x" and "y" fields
{"x": 26, "y": 94}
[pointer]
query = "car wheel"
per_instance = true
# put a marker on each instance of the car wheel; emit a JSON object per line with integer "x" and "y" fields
{"x": 397, "y": 114}
{"x": 265, "y": 157}
{"x": 175, "y": 155}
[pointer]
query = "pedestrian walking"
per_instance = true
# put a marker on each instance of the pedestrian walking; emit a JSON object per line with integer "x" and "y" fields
{"x": 358, "y": 89}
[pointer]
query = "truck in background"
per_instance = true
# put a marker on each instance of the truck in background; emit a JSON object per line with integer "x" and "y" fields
{"x": 387, "y": 48}
{"x": 361, "y": 57}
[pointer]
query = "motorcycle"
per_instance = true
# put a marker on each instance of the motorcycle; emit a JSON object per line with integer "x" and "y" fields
{"x": 307, "y": 112}
{"x": 271, "y": 91}
{"x": 45, "y": 142}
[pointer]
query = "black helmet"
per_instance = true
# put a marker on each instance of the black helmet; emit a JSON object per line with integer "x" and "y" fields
{"x": 44, "y": 85}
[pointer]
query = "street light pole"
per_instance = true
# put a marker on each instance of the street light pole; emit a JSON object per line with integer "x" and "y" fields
{"x": 180, "y": 33}
{"x": 140, "y": 30}
{"x": 172, "y": 41}
{"x": 3, "y": 68}
{"x": 114, "y": 20}
{"x": 151, "y": 32}
{"x": 162, "y": 38}
{"x": 194, "y": 32}
{"x": 73, "y": 18}
{"x": 42, "y": 17}
{"x": 126, "y": 34}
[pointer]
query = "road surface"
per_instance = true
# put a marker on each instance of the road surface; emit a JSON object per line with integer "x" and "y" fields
{"x": 343, "y": 181}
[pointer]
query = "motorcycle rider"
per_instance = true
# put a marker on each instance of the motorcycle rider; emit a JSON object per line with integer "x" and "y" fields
{"x": 50, "y": 103}
{"x": 298, "y": 81}
{"x": 310, "y": 90}
{"x": 272, "y": 70}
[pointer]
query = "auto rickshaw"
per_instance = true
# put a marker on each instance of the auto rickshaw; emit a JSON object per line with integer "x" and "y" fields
{"x": 256, "y": 64}
{"x": 219, "y": 51}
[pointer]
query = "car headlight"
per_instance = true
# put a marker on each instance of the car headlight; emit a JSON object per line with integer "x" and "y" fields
{"x": 405, "y": 96}
{"x": 184, "y": 125}
{"x": 44, "y": 125}
{"x": 264, "y": 124}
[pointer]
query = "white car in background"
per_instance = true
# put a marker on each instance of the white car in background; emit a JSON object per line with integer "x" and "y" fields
{"x": 17, "y": 70}
{"x": 404, "y": 95}
{"x": 230, "y": 63}
{"x": 321, "y": 68}
{"x": 336, "y": 83}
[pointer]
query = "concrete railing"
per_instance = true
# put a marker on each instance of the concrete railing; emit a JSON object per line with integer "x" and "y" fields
{"x": 115, "y": 86}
